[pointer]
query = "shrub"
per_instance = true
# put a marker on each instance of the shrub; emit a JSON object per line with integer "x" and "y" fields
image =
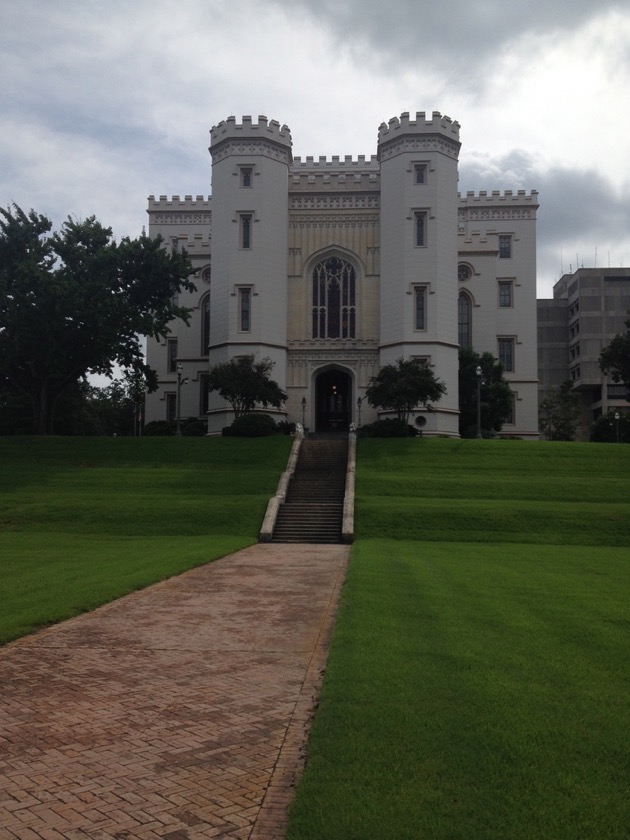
{"x": 253, "y": 425}
{"x": 391, "y": 427}
{"x": 286, "y": 428}
{"x": 159, "y": 428}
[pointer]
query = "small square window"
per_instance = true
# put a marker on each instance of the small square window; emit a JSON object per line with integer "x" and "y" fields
{"x": 420, "y": 228}
{"x": 505, "y": 247}
{"x": 505, "y": 293}
{"x": 419, "y": 173}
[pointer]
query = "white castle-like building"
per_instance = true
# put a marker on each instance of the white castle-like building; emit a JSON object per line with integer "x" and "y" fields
{"x": 334, "y": 267}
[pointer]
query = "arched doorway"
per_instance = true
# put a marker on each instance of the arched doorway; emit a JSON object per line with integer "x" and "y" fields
{"x": 333, "y": 389}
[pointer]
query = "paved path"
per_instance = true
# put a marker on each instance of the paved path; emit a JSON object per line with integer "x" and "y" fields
{"x": 177, "y": 712}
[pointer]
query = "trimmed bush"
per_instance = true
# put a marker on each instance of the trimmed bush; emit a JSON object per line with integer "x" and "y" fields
{"x": 159, "y": 428}
{"x": 391, "y": 427}
{"x": 253, "y": 425}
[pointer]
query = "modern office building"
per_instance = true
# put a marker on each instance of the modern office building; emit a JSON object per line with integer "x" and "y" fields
{"x": 589, "y": 307}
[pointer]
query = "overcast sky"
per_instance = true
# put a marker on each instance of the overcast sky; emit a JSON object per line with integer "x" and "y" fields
{"x": 104, "y": 102}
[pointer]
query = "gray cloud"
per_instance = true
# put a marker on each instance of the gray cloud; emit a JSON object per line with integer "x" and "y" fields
{"x": 456, "y": 37}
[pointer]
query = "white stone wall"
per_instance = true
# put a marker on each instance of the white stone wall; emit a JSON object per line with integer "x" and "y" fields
{"x": 361, "y": 210}
{"x": 483, "y": 218}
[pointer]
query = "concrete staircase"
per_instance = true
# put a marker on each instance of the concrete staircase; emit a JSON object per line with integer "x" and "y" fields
{"x": 313, "y": 509}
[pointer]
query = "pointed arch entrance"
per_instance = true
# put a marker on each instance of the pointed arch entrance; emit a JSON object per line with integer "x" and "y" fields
{"x": 333, "y": 392}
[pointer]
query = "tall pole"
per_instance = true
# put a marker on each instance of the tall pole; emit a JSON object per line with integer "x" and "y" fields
{"x": 617, "y": 424}
{"x": 178, "y": 424}
{"x": 478, "y": 372}
{"x": 359, "y": 404}
{"x": 303, "y": 411}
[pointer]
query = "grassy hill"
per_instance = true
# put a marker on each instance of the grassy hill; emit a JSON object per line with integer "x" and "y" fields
{"x": 86, "y": 520}
{"x": 478, "y": 681}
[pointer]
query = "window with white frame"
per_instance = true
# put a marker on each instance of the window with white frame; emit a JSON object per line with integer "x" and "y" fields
{"x": 419, "y": 307}
{"x": 464, "y": 272}
{"x": 245, "y": 230}
{"x": 505, "y": 246}
{"x": 506, "y": 297}
{"x": 464, "y": 320}
{"x": 506, "y": 353}
{"x": 245, "y": 309}
{"x": 171, "y": 355}
{"x": 420, "y": 228}
{"x": 419, "y": 173}
{"x": 334, "y": 299}
{"x": 247, "y": 176}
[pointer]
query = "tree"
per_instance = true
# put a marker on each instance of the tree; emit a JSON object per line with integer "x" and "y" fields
{"x": 245, "y": 383}
{"x": 404, "y": 386}
{"x": 615, "y": 359}
{"x": 613, "y": 427}
{"x": 496, "y": 394}
{"x": 559, "y": 413}
{"x": 77, "y": 302}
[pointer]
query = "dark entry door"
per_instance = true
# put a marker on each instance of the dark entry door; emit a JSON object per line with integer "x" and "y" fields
{"x": 332, "y": 394}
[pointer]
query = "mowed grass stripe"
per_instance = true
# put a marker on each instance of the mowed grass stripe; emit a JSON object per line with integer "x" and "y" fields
{"x": 476, "y": 688}
{"x": 85, "y": 520}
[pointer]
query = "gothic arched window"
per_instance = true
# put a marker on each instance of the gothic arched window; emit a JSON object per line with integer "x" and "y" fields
{"x": 464, "y": 320}
{"x": 205, "y": 324}
{"x": 334, "y": 299}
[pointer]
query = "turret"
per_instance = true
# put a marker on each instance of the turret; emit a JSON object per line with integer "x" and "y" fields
{"x": 419, "y": 250}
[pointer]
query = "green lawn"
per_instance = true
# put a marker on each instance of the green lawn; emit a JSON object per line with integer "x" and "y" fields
{"x": 479, "y": 678}
{"x": 86, "y": 520}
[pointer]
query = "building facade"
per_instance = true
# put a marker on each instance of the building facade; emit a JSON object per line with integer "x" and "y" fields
{"x": 334, "y": 267}
{"x": 589, "y": 307}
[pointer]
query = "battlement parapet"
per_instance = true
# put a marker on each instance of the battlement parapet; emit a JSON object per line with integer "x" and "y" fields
{"x": 336, "y": 162}
{"x": 200, "y": 202}
{"x": 498, "y": 197}
{"x": 421, "y": 124}
{"x": 262, "y": 129}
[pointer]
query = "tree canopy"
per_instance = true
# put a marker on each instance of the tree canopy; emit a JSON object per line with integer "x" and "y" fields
{"x": 559, "y": 413}
{"x": 615, "y": 359}
{"x": 496, "y": 395}
{"x": 244, "y": 382}
{"x": 76, "y": 302}
{"x": 403, "y": 386}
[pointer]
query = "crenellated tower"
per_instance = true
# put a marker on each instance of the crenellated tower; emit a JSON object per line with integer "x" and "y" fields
{"x": 250, "y": 166}
{"x": 418, "y": 159}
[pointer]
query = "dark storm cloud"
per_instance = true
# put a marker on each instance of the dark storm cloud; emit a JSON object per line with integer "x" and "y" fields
{"x": 449, "y": 35}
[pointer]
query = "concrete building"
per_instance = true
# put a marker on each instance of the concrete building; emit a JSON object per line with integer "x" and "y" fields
{"x": 334, "y": 267}
{"x": 589, "y": 307}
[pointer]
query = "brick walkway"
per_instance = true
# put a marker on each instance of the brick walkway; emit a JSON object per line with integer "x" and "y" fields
{"x": 177, "y": 712}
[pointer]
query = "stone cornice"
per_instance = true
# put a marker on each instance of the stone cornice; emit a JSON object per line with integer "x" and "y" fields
{"x": 335, "y": 201}
{"x": 251, "y": 147}
{"x": 419, "y": 144}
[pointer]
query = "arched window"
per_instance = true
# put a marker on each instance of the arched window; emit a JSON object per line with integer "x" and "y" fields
{"x": 204, "y": 306}
{"x": 464, "y": 320}
{"x": 334, "y": 299}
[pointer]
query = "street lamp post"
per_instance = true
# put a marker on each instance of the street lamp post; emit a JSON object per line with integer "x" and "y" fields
{"x": 617, "y": 425}
{"x": 478, "y": 372}
{"x": 303, "y": 411}
{"x": 359, "y": 404}
{"x": 178, "y": 424}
